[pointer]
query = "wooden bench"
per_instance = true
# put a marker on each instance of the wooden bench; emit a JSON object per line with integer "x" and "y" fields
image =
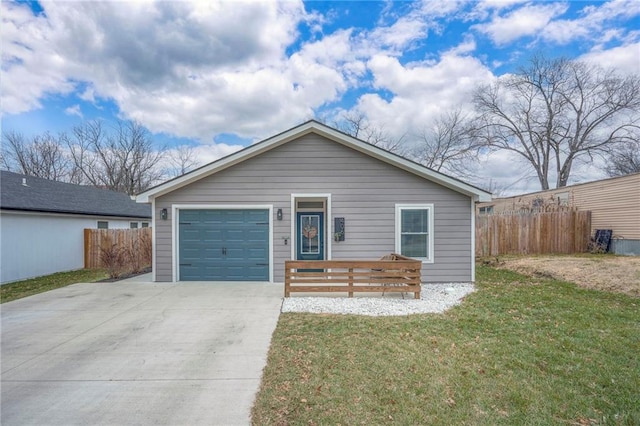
{"x": 393, "y": 273}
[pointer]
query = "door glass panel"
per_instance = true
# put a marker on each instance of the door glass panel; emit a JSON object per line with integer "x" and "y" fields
{"x": 310, "y": 234}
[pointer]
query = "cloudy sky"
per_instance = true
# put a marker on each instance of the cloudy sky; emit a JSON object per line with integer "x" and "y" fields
{"x": 221, "y": 75}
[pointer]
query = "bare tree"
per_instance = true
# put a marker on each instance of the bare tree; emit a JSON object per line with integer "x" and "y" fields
{"x": 41, "y": 156}
{"x": 556, "y": 112}
{"x": 448, "y": 145}
{"x": 357, "y": 125}
{"x": 181, "y": 160}
{"x": 122, "y": 160}
{"x": 624, "y": 159}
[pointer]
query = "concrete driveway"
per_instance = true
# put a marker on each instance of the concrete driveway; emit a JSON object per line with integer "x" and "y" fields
{"x": 136, "y": 353}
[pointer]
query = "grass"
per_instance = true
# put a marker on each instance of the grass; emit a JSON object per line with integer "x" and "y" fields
{"x": 518, "y": 351}
{"x": 20, "y": 289}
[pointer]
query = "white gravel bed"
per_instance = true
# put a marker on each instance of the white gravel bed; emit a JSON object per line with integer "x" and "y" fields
{"x": 434, "y": 298}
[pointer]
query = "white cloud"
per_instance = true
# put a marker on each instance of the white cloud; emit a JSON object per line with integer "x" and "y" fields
{"x": 625, "y": 59}
{"x": 74, "y": 110}
{"x": 400, "y": 35}
{"x": 28, "y": 73}
{"x": 525, "y": 21}
{"x": 595, "y": 24}
{"x": 186, "y": 158}
{"x": 200, "y": 69}
{"x": 498, "y": 4}
{"x": 464, "y": 48}
{"x": 170, "y": 65}
{"x": 405, "y": 32}
{"x": 421, "y": 91}
{"x": 88, "y": 95}
{"x": 210, "y": 152}
{"x": 506, "y": 173}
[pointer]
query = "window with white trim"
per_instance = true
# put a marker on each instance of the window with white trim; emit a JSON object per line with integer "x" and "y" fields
{"x": 414, "y": 231}
{"x": 133, "y": 225}
{"x": 103, "y": 224}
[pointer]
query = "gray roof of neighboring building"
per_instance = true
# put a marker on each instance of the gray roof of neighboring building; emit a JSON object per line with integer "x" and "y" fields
{"x": 43, "y": 195}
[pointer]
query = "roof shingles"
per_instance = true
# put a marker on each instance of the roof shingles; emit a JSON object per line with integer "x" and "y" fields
{"x": 45, "y": 195}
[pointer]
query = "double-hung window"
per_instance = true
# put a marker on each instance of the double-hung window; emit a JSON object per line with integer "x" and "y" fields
{"x": 414, "y": 231}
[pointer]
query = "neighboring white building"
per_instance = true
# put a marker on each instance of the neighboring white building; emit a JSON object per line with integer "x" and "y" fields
{"x": 42, "y": 223}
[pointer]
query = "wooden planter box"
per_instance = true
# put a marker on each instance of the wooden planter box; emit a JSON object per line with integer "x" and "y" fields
{"x": 393, "y": 273}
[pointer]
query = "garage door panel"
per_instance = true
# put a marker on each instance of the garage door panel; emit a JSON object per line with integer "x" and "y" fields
{"x": 240, "y": 273}
{"x": 224, "y": 245}
{"x": 188, "y": 233}
{"x": 195, "y": 273}
{"x": 211, "y": 234}
{"x": 211, "y": 254}
{"x": 258, "y": 253}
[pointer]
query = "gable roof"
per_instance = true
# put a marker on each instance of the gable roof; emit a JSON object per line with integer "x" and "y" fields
{"x": 29, "y": 193}
{"x": 328, "y": 132}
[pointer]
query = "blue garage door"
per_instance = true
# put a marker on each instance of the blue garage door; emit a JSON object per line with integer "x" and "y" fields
{"x": 224, "y": 245}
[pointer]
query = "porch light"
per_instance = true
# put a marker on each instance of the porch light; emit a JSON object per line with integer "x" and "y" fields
{"x": 279, "y": 214}
{"x": 163, "y": 214}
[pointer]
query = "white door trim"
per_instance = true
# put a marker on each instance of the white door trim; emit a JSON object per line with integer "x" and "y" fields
{"x": 153, "y": 240}
{"x": 473, "y": 240}
{"x": 328, "y": 226}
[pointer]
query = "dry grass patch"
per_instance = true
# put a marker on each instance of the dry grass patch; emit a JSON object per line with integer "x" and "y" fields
{"x": 620, "y": 274}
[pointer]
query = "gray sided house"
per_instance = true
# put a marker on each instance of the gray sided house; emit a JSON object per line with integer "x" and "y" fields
{"x": 310, "y": 193}
{"x": 42, "y": 223}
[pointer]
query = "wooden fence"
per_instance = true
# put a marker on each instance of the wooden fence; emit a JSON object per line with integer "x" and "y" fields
{"x": 349, "y": 276}
{"x": 98, "y": 242}
{"x": 562, "y": 232}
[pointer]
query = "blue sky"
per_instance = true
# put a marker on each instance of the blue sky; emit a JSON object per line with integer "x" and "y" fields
{"x": 219, "y": 75}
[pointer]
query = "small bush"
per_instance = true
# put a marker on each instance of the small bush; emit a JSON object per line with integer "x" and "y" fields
{"x": 114, "y": 259}
{"x": 138, "y": 256}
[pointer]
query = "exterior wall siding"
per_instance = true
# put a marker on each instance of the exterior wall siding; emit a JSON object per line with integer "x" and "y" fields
{"x": 363, "y": 190}
{"x": 614, "y": 203}
{"x": 625, "y": 247}
{"x": 36, "y": 244}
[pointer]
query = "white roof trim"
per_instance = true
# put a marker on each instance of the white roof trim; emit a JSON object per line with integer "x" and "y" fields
{"x": 322, "y": 130}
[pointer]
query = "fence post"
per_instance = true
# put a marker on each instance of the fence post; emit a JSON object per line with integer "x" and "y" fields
{"x": 87, "y": 236}
{"x": 287, "y": 280}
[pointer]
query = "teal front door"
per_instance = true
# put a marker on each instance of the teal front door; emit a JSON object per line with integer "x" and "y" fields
{"x": 310, "y": 236}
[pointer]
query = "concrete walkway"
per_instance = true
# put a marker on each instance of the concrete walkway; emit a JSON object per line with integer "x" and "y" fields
{"x": 134, "y": 352}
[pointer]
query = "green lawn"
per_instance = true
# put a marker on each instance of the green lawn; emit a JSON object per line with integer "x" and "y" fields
{"x": 518, "y": 351}
{"x": 20, "y": 289}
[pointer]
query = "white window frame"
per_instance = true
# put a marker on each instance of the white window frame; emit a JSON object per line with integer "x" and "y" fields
{"x": 133, "y": 225}
{"x": 431, "y": 231}
{"x": 102, "y": 221}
